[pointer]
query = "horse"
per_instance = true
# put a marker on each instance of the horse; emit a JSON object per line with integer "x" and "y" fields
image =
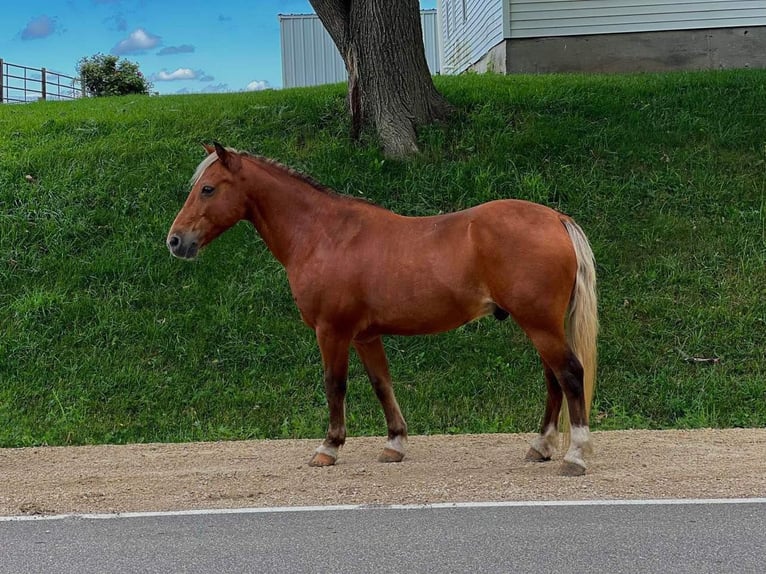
{"x": 358, "y": 272}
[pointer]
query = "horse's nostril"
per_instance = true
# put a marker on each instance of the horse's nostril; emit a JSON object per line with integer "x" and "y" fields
{"x": 174, "y": 241}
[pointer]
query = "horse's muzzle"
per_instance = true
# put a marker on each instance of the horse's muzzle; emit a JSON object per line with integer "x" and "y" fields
{"x": 183, "y": 247}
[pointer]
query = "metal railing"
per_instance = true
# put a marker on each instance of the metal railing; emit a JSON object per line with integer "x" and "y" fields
{"x": 21, "y": 84}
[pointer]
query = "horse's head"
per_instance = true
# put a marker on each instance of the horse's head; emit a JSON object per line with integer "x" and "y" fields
{"x": 215, "y": 203}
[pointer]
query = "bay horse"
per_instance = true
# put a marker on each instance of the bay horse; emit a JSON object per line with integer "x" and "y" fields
{"x": 358, "y": 271}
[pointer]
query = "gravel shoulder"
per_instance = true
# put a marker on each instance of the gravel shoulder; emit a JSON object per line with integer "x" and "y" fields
{"x": 708, "y": 463}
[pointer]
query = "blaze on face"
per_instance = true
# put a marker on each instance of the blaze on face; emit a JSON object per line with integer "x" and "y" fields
{"x": 213, "y": 204}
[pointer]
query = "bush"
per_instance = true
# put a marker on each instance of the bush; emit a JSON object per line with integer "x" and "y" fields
{"x": 104, "y": 75}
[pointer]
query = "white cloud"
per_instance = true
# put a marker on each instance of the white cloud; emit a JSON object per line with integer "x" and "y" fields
{"x": 172, "y": 50}
{"x": 139, "y": 40}
{"x": 39, "y": 27}
{"x": 257, "y": 85}
{"x": 179, "y": 74}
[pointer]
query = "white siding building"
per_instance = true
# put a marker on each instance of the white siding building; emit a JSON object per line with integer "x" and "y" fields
{"x": 601, "y": 35}
{"x": 470, "y": 29}
{"x": 310, "y": 58}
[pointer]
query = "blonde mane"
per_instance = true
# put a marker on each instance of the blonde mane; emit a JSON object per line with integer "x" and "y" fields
{"x": 203, "y": 165}
{"x": 211, "y": 158}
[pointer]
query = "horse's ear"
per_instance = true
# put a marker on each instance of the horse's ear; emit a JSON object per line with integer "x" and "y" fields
{"x": 208, "y": 148}
{"x": 230, "y": 160}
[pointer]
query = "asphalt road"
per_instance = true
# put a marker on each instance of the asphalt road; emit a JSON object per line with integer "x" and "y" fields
{"x": 652, "y": 537}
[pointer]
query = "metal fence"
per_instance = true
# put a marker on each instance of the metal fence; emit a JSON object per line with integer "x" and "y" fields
{"x": 20, "y": 84}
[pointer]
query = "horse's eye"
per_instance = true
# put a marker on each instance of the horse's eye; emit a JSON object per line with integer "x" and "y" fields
{"x": 207, "y": 190}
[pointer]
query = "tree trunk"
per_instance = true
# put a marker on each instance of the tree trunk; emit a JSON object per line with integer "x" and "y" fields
{"x": 390, "y": 86}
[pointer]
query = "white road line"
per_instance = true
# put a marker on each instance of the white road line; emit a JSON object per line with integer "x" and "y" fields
{"x": 344, "y": 507}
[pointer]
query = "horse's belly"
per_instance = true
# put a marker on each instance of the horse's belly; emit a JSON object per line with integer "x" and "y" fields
{"x": 426, "y": 315}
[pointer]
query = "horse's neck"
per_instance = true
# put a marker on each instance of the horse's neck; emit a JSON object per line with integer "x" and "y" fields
{"x": 288, "y": 212}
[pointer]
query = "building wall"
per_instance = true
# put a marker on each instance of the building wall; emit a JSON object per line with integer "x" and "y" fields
{"x": 310, "y": 58}
{"x": 469, "y": 30}
{"x": 709, "y": 49}
{"x": 429, "y": 21}
{"x": 544, "y": 18}
{"x": 601, "y": 35}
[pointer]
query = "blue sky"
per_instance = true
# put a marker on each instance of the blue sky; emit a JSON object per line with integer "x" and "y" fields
{"x": 180, "y": 45}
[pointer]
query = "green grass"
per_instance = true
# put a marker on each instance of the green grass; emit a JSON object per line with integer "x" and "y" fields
{"x": 104, "y": 337}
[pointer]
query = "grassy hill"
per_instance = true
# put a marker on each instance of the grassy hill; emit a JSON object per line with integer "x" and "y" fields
{"x": 106, "y": 338}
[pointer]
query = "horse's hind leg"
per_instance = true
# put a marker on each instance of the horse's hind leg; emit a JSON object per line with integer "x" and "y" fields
{"x": 373, "y": 357}
{"x": 544, "y": 445}
{"x": 334, "y": 351}
{"x": 562, "y": 362}
{"x": 570, "y": 376}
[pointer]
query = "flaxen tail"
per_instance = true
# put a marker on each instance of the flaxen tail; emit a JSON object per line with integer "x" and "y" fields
{"x": 582, "y": 324}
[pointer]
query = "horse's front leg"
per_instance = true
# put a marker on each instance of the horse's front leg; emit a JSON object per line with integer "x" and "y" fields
{"x": 334, "y": 351}
{"x": 373, "y": 357}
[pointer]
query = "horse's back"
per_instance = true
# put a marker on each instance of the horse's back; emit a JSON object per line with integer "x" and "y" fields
{"x": 407, "y": 275}
{"x": 519, "y": 227}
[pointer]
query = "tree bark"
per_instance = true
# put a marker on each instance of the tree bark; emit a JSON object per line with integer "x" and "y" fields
{"x": 390, "y": 86}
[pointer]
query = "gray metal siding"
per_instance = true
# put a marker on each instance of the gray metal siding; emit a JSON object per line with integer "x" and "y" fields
{"x": 543, "y": 18}
{"x": 430, "y": 24}
{"x": 310, "y": 58}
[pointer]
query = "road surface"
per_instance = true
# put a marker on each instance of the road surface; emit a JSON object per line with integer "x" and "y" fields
{"x": 638, "y": 537}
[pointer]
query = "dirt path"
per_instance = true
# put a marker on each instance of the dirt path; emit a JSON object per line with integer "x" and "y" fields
{"x": 626, "y": 464}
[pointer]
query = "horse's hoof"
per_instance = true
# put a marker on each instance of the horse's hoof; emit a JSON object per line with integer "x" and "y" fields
{"x": 571, "y": 469}
{"x": 321, "y": 459}
{"x": 390, "y": 455}
{"x": 535, "y": 456}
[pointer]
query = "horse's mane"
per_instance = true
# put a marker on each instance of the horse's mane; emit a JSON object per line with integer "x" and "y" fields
{"x": 268, "y": 162}
{"x": 211, "y": 158}
{"x": 290, "y": 171}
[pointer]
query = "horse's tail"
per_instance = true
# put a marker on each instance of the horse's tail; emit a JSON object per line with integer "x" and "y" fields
{"x": 582, "y": 324}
